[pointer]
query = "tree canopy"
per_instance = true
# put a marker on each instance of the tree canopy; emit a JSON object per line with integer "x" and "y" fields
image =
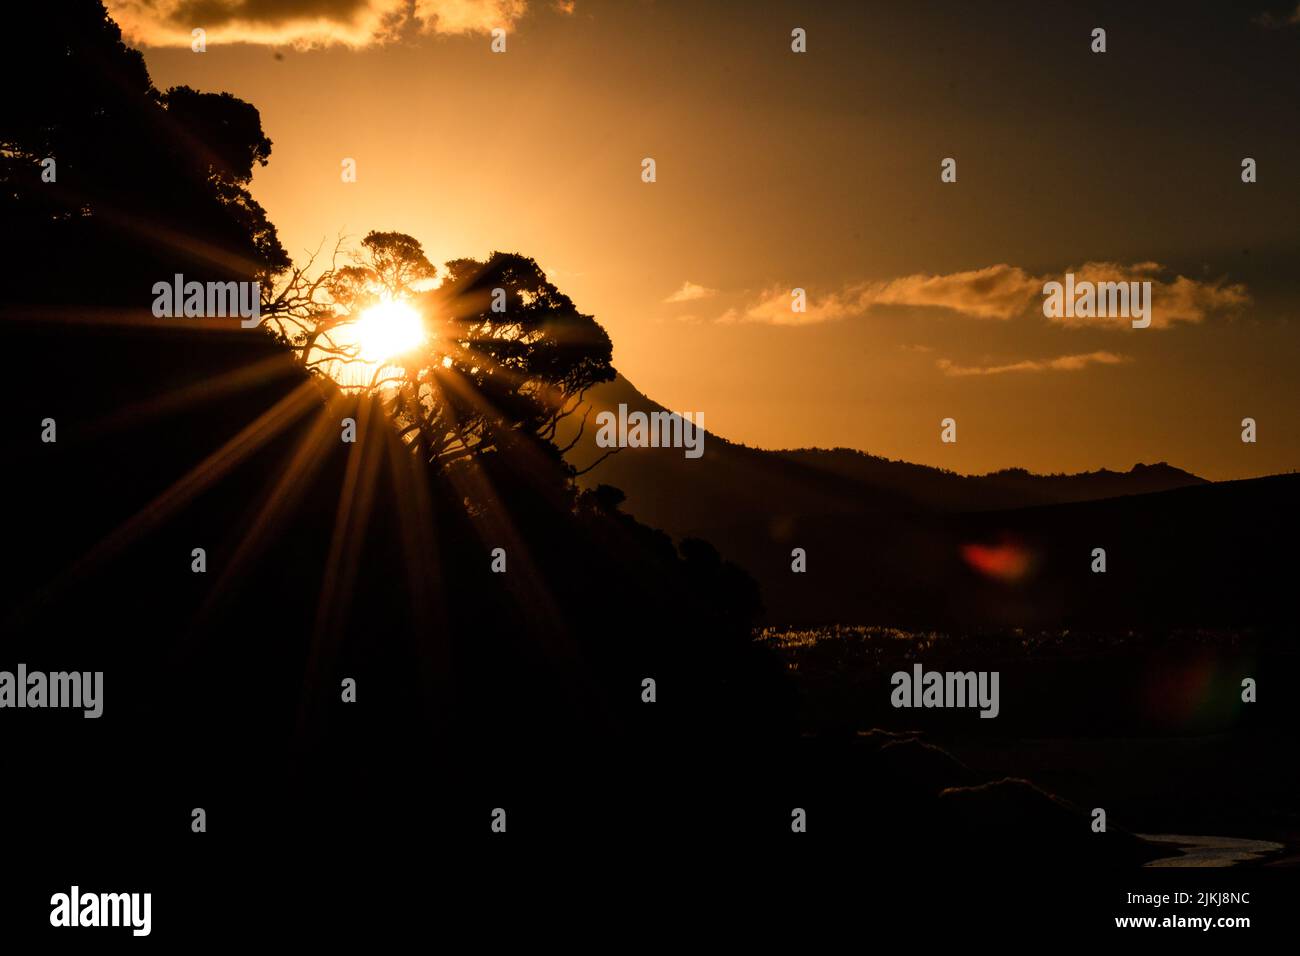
{"x": 507, "y": 354}
{"x": 116, "y": 180}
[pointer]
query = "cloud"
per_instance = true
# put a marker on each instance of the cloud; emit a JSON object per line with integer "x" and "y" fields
{"x": 690, "y": 292}
{"x": 998, "y": 292}
{"x": 1002, "y": 292}
{"x": 1178, "y": 300}
{"x": 1064, "y": 363}
{"x": 995, "y": 292}
{"x": 774, "y": 308}
{"x": 468, "y": 16}
{"x": 306, "y": 23}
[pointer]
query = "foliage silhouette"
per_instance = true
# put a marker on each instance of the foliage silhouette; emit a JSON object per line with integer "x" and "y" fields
{"x": 507, "y": 354}
{"x": 147, "y": 183}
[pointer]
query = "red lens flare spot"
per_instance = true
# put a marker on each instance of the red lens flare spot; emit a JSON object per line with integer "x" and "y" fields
{"x": 1007, "y": 561}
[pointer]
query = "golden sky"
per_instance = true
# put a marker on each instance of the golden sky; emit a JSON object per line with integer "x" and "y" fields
{"x": 821, "y": 170}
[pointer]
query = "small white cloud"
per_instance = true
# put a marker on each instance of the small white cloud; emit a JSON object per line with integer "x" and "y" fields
{"x": 995, "y": 292}
{"x": 1063, "y": 363}
{"x": 691, "y": 292}
{"x": 774, "y": 308}
{"x": 1178, "y": 300}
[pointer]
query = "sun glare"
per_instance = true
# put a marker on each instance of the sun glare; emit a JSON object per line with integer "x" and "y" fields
{"x": 387, "y": 330}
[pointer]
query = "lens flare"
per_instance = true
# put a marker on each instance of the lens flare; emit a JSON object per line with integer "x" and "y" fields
{"x": 1006, "y": 561}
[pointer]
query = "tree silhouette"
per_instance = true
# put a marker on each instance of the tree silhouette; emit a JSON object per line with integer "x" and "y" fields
{"x": 317, "y": 314}
{"x": 508, "y": 354}
{"x": 144, "y": 183}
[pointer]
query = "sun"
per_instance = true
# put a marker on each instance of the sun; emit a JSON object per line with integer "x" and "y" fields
{"x": 388, "y": 329}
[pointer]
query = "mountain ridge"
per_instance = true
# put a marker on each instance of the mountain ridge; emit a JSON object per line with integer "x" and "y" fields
{"x": 931, "y": 486}
{"x": 890, "y": 541}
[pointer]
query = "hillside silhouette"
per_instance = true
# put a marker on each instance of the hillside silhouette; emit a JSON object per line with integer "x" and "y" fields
{"x": 886, "y": 539}
{"x": 732, "y": 481}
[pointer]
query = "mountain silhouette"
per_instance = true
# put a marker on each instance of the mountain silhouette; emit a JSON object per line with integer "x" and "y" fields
{"x": 732, "y": 481}
{"x": 896, "y": 542}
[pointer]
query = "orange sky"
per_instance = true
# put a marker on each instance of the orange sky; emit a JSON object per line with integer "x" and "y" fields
{"x": 821, "y": 171}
